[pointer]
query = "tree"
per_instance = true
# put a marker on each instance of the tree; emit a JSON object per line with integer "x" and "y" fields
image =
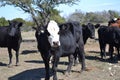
{"x": 3, "y": 22}
{"x": 113, "y": 14}
{"x": 27, "y": 25}
{"x": 56, "y": 16}
{"x": 77, "y": 16}
{"x": 43, "y": 8}
{"x": 19, "y": 19}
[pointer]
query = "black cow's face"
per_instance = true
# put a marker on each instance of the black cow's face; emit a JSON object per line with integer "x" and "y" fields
{"x": 91, "y": 30}
{"x": 41, "y": 33}
{"x": 41, "y": 30}
{"x": 14, "y": 27}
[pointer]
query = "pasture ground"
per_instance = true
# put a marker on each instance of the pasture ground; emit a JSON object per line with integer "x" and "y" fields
{"x": 32, "y": 68}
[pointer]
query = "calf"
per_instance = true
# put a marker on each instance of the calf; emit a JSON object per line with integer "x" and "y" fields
{"x": 65, "y": 44}
{"x": 111, "y": 36}
{"x": 10, "y": 37}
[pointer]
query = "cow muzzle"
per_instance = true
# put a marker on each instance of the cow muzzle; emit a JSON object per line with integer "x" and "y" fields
{"x": 56, "y": 44}
{"x": 92, "y": 37}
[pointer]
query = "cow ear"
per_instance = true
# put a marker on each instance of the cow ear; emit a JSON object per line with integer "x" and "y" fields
{"x": 20, "y": 24}
{"x": 9, "y": 22}
{"x": 97, "y": 26}
{"x": 84, "y": 26}
{"x": 34, "y": 28}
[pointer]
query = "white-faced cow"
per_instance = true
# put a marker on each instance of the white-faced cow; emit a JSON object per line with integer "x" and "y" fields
{"x": 60, "y": 41}
{"x": 10, "y": 37}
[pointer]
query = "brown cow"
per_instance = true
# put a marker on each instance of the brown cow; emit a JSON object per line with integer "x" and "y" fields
{"x": 118, "y": 21}
{"x": 114, "y": 22}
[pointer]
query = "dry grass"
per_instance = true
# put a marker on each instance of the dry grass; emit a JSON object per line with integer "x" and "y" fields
{"x": 32, "y": 67}
{"x": 28, "y": 35}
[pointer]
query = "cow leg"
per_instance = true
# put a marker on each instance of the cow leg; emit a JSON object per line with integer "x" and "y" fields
{"x": 55, "y": 64}
{"x": 10, "y": 56}
{"x": 118, "y": 53}
{"x": 70, "y": 58}
{"x": 75, "y": 57}
{"x": 102, "y": 49}
{"x": 111, "y": 52}
{"x": 47, "y": 68}
{"x": 81, "y": 55}
{"x": 17, "y": 57}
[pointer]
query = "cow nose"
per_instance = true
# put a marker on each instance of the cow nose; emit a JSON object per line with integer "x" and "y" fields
{"x": 92, "y": 37}
{"x": 56, "y": 44}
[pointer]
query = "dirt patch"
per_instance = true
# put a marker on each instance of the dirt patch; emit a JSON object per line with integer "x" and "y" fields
{"x": 32, "y": 67}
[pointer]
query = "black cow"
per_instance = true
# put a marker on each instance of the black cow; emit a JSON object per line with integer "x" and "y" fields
{"x": 111, "y": 36}
{"x": 88, "y": 32}
{"x": 70, "y": 40}
{"x": 10, "y": 37}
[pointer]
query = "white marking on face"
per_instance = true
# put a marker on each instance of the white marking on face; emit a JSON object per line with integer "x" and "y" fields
{"x": 53, "y": 29}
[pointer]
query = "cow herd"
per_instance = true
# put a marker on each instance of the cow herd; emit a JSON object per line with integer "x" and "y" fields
{"x": 62, "y": 40}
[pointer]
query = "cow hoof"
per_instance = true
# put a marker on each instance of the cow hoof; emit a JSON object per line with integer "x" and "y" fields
{"x": 66, "y": 73}
{"x": 9, "y": 65}
{"x": 75, "y": 64}
{"x": 88, "y": 69}
{"x": 80, "y": 71}
{"x": 17, "y": 64}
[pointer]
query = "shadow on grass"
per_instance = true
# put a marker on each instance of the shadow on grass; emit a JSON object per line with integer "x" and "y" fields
{"x": 32, "y": 74}
{"x": 3, "y": 64}
{"x": 25, "y": 52}
{"x": 97, "y": 52}
{"x": 35, "y": 61}
{"x": 41, "y": 62}
{"x": 93, "y": 57}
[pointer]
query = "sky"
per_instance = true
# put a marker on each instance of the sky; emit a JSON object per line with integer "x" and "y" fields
{"x": 10, "y": 12}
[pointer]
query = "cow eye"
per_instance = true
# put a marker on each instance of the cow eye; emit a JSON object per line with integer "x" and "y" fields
{"x": 42, "y": 31}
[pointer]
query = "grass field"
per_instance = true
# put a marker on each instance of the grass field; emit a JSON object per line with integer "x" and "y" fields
{"x": 32, "y": 68}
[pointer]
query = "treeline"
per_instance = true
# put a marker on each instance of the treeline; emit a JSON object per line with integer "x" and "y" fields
{"x": 29, "y": 24}
{"x": 94, "y": 17}
{"x": 26, "y": 27}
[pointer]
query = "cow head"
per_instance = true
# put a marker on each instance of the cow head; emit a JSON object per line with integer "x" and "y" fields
{"x": 118, "y": 21}
{"x": 41, "y": 34}
{"x": 90, "y": 30}
{"x": 53, "y": 30}
{"x": 97, "y": 25}
{"x": 48, "y": 33}
{"x": 14, "y": 27}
